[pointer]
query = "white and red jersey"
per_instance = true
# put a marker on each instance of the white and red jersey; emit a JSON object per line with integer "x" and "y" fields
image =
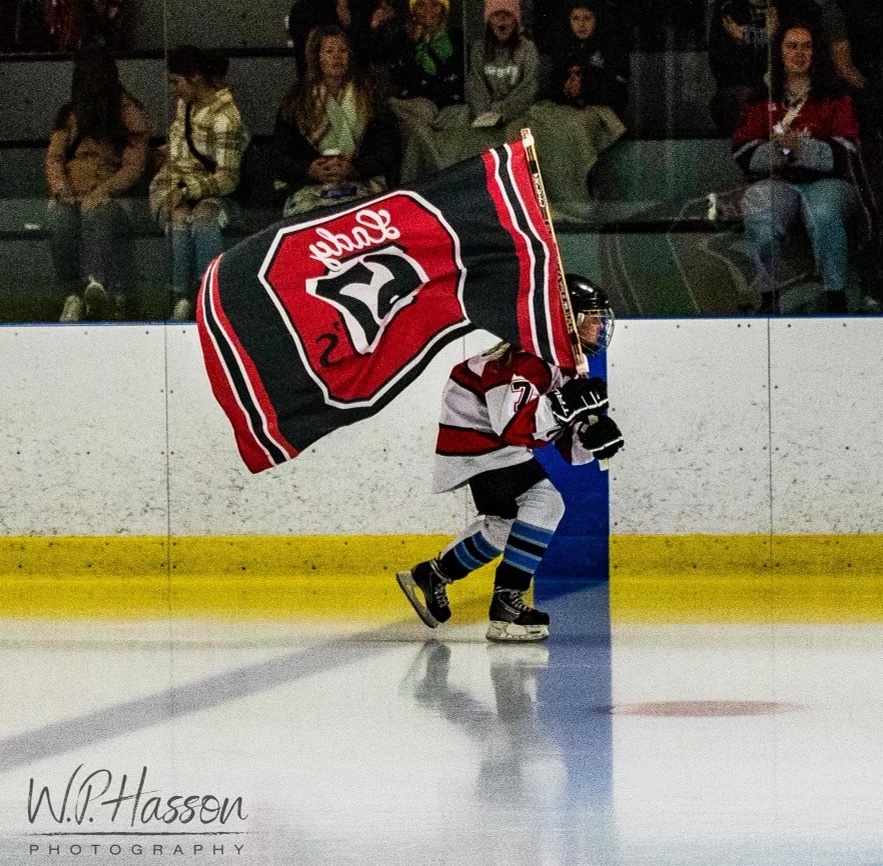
{"x": 495, "y": 413}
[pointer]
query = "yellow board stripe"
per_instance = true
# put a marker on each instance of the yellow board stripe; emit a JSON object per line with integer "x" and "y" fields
{"x": 251, "y": 554}
{"x": 653, "y": 578}
{"x": 247, "y": 577}
{"x": 750, "y": 578}
{"x": 724, "y": 554}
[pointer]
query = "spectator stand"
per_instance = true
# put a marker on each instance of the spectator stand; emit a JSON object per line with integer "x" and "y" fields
{"x": 647, "y": 238}
{"x": 27, "y": 293}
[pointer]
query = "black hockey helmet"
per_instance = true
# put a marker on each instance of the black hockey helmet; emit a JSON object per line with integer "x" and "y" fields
{"x": 594, "y": 315}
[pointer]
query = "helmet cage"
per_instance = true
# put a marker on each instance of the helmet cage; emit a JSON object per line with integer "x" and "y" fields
{"x": 594, "y": 317}
{"x": 595, "y": 329}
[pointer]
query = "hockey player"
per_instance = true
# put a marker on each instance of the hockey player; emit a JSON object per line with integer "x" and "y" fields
{"x": 498, "y": 408}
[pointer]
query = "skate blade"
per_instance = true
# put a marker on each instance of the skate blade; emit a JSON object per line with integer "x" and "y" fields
{"x": 409, "y": 588}
{"x": 504, "y": 632}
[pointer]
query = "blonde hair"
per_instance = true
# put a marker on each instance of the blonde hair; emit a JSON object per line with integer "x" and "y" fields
{"x": 499, "y": 352}
{"x": 304, "y": 104}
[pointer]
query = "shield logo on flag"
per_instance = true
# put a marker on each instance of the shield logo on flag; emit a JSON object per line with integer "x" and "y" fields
{"x": 369, "y": 290}
{"x": 363, "y": 305}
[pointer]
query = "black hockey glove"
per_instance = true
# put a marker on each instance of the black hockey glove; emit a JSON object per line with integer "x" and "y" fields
{"x": 602, "y": 438}
{"x": 577, "y": 399}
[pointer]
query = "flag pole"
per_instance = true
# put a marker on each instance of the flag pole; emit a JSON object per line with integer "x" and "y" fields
{"x": 533, "y": 163}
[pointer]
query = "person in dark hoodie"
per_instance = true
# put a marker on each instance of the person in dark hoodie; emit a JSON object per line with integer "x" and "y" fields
{"x": 738, "y": 54}
{"x": 590, "y": 66}
{"x": 585, "y": 96}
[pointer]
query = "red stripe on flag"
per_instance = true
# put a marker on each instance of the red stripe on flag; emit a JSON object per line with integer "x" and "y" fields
{"x": 253, "y": 452}
{"x": 556, "y": 323}
{"x": 502, "y": 206}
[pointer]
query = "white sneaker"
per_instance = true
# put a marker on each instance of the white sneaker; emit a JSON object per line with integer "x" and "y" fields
{"x": 74, "y": 309}
{"x": 182, "y": 311}
{"x": 96, "y": 298}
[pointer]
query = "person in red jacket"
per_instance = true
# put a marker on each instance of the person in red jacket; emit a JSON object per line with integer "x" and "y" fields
{"x": 498, "y": 408}
{"x": 798, "y": 145}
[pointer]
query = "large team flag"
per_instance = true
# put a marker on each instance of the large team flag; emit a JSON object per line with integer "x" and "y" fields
{"x": 315, "y": 324}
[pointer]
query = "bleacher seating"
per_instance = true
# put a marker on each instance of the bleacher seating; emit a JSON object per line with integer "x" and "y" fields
{"x": 642, "y": 187}
{"x": 26, "y": 278}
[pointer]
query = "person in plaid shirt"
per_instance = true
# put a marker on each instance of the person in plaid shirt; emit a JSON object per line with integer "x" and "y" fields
{"x": 191, "y": 194}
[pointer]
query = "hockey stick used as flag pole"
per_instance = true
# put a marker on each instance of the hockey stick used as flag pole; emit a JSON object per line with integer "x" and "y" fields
{"x": 533, "y": 163}
{"x": 527, "y": 139}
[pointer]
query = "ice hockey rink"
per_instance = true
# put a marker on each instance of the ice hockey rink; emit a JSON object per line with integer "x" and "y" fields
{"x": 323, "y": 742}
{"x": 155, "y": 711}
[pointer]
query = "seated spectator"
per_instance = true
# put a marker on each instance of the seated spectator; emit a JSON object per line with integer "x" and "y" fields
{"x": 851, "y": 30}
{"x": 797, "y": 146}
{"x": 828, "y": 18}
{"x": 586, "y": 94}
{"x": 590, "y": 66}
{"x": 97, "y": 152}
{"x": 738, "y": 48}
{"x": 503, "y": 77}
{"x": 333, "y": 141}
{"x": 190, "y": 196}
{"x": 501, "y": 83}
{"x": 425, "y": 55}
{"x": 425, "y": 60}
{"x": 359, "y": 20}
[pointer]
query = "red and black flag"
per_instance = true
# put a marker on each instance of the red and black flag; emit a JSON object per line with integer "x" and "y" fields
{"x": 309, "y": 326}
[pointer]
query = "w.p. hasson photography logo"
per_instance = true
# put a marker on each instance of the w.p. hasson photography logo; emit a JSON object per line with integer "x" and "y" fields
{"x": 97, "y": 812}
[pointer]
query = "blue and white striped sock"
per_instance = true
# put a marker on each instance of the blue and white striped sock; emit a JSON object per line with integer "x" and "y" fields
{"x": 524, "y": 552}
{"x": 467, "y": 555}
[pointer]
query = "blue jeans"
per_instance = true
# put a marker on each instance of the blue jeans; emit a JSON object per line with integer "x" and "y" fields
{"x": 827, "y": 208}
{"x": 97, "y": 244}
{"x": 193, "y": 247}
{"x": 196, "y": 243}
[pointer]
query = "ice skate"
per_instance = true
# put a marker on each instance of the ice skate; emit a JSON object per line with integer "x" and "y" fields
{"x": 425, "y": 586}
{"x": 512, "y": 620}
